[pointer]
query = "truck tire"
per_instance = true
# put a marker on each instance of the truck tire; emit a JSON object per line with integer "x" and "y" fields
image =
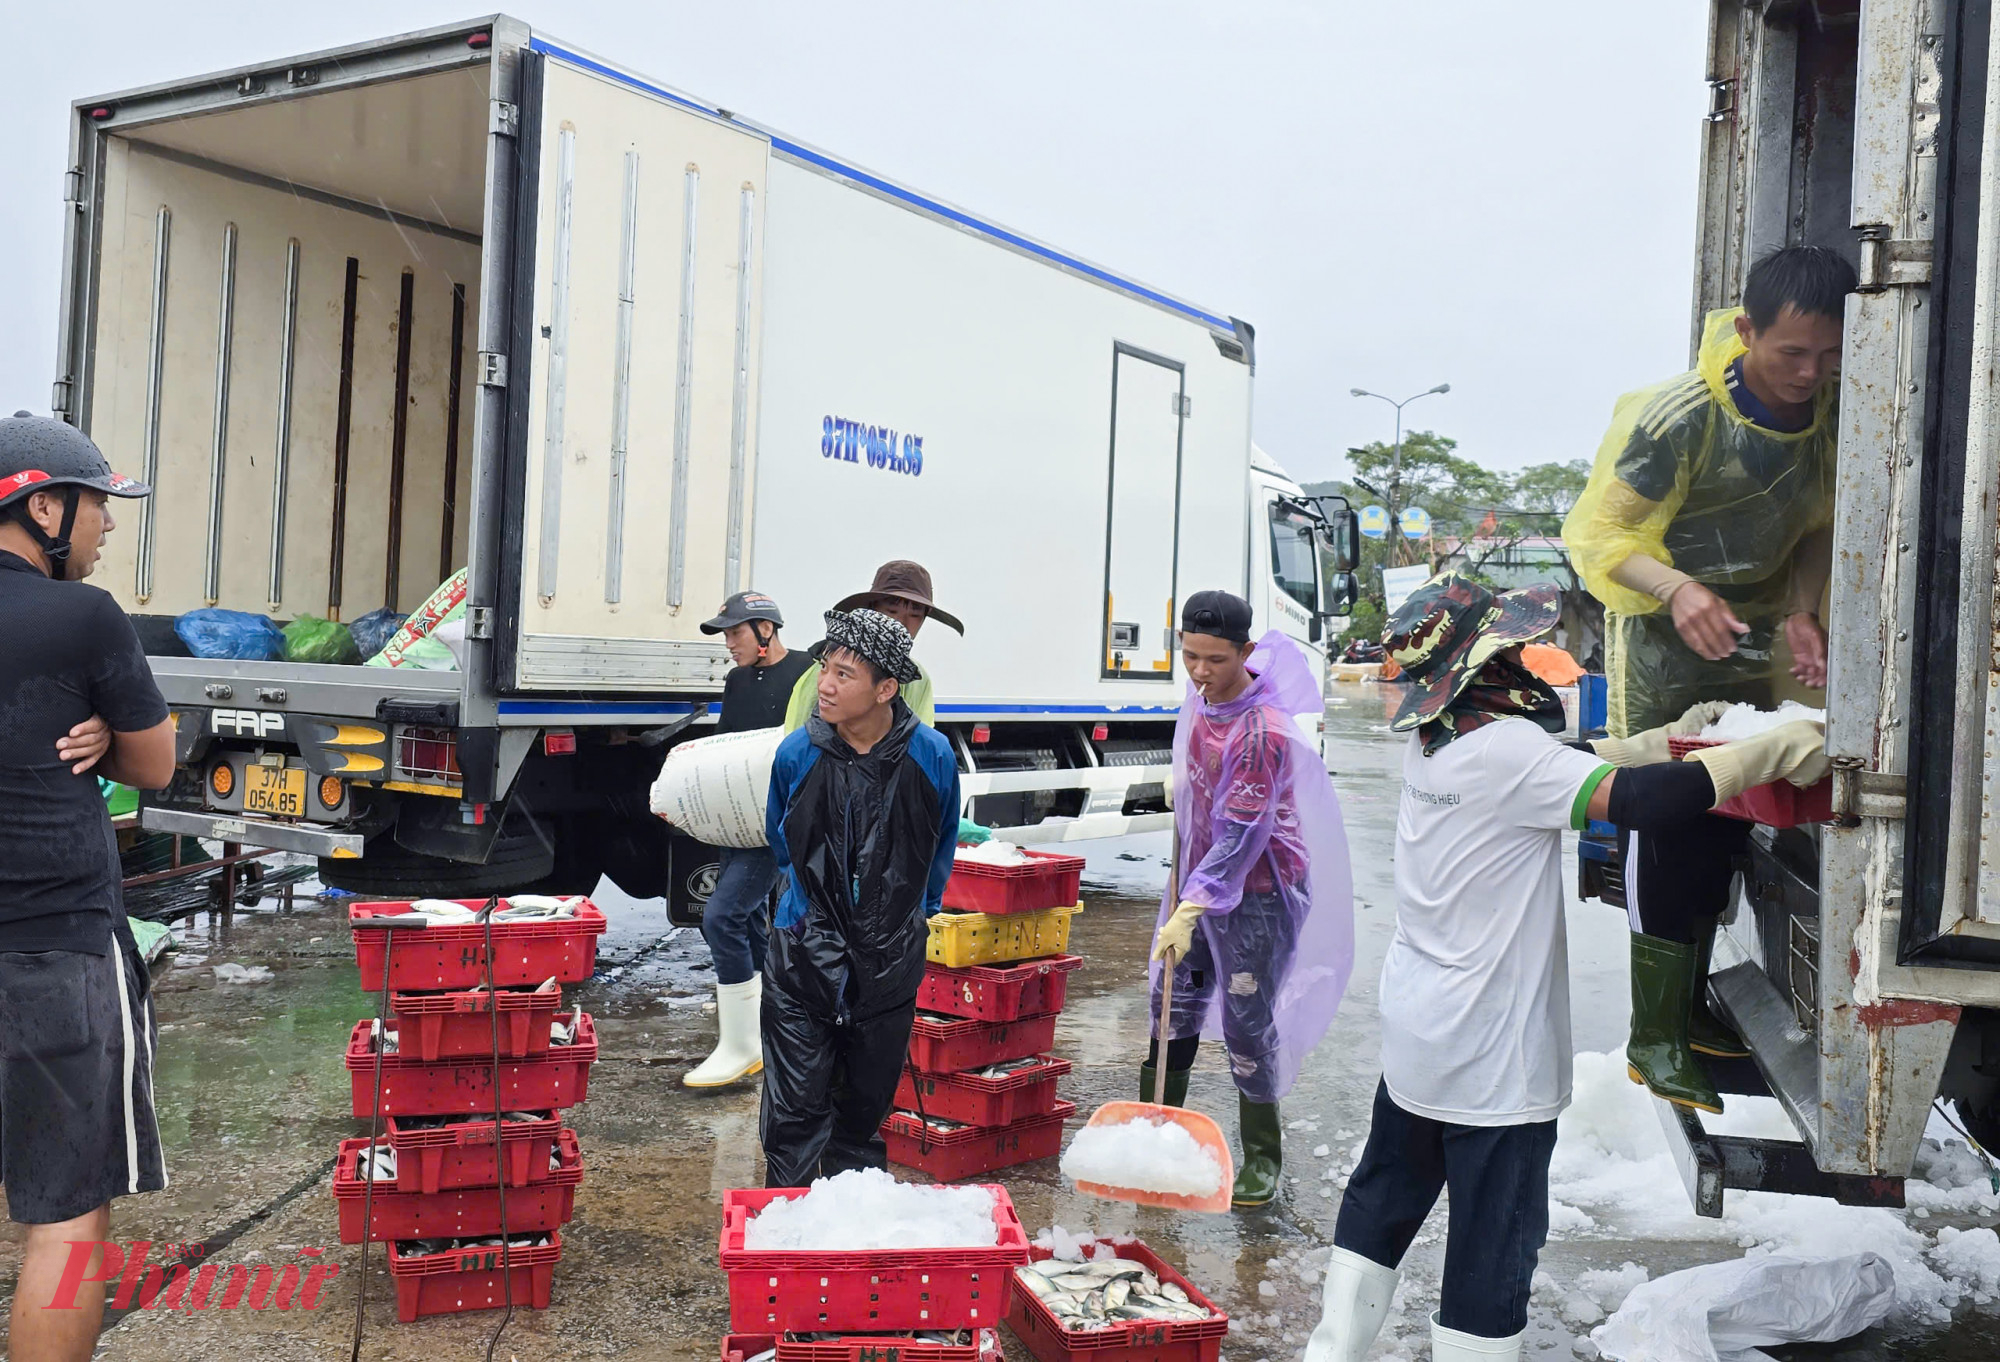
{"x": 1982, "y": 1123}
{"x": 388, "y": 870}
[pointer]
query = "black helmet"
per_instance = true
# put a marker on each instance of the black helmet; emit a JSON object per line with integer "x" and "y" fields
{"x": 39, "y": 454}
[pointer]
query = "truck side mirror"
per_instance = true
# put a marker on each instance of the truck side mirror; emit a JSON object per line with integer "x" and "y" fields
{"x": 1343, "y": 537}
{"x": 1342, "y": 591}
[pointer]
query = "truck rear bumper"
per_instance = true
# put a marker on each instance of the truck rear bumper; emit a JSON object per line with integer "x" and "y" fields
{"x": 256, "y": 832}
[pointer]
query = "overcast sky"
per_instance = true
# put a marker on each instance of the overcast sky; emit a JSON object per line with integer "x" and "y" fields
{"x": 1492, "y": 195}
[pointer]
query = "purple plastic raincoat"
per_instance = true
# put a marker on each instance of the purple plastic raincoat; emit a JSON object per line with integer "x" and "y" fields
{"x": 1264, "y": 850}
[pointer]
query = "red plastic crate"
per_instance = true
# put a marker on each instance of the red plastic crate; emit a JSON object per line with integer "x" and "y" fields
{"x": 453, "y": 1025}
{"x": 869, "y": 1290}
{"x": 1139, "y": 1341}
{"x": 863, "y": 1348}
{"x": 443, "y": 1158}
{"x": 470, "y": 1279}
{"x": 1046, "y": 881}
{"x": 981, "y": 1101}
{"x": 524, "y": 953}
{"x": 953, "y": 1047}
{"x": 410, "y": 1087}
{"x": 1780, "y": 804}
{"x": 968, "y": 1153}
{"x": 465, "y": 1213}
{"x": 1034, "y": 988}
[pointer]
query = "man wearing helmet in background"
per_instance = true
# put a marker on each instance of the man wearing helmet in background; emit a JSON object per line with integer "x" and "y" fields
{"x": 76, "y": 1018}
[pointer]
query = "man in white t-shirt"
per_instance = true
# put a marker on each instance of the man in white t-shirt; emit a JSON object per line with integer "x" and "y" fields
{"x": 1475, "y": 986}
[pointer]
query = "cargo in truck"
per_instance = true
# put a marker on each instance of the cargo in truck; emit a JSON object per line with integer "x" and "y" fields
{"x": 470, "y": 300}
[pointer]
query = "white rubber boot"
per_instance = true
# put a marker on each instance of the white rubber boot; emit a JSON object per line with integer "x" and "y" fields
{"x": 1449, "y": 1345}
{"x": 739, "y": 1052}
{"x": 1355, "y": 1299}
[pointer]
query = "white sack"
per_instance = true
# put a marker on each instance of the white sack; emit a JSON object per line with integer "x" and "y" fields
{"x": 1722, "y": 1312}
{"x": 713, "y": 789}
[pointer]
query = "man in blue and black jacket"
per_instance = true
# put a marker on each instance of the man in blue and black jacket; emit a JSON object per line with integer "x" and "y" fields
{"x": 863, "y": 821}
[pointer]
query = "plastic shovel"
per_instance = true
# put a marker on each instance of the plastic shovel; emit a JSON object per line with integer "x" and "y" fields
{"x": 1204, "y": 1129}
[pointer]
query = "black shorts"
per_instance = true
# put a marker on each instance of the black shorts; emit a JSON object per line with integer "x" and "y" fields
{"x": 76, "y": 1082}
{"x": 1675, "y": 876}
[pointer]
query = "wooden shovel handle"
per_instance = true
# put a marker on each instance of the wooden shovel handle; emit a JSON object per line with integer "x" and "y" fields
{"x": 1167, "y": 964}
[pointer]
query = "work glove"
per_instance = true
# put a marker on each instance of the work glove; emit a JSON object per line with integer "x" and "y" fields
{"x": 971, "y": 834}
{"x": 1176, "y": 934}
{"x": 1795, "y": 752}
{"x": 1643, "y": 749}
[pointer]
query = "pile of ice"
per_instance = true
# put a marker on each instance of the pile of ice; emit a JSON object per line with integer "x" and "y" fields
{"x": 1612, "y": 1175}
{"x": 243, "y": 974}
{"x": 1143, "y": 1154}
{"x": 867, "y": 1209}
{"x": 1066, "y": 1247}
{"x": 992, "y": 853}
{"x": 1747, "y": 721}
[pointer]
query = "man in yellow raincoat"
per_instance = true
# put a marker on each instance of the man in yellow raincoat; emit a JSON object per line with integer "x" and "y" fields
{"x": 1707, "y": 531}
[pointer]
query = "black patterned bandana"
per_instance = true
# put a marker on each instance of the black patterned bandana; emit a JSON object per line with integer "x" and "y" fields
{"x": 872, "y": 635}
{"x": 1502, "y": 689}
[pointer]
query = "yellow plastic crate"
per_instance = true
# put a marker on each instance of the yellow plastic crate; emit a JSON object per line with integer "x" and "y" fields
{"x": 960, "y": 939}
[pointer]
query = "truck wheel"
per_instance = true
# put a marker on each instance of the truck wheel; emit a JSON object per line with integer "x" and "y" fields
{"x": 1982, "y": 1123}
{"x": 518, "y": 864}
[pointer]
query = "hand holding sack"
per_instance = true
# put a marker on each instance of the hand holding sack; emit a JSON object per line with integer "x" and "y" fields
{"x": 1795, "y": 752}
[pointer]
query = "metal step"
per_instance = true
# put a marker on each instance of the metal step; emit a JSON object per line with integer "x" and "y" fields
{"x": 1784, "y": 1064}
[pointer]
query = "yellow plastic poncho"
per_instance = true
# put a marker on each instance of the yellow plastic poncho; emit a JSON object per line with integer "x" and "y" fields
{"x": 1684, "y": 478}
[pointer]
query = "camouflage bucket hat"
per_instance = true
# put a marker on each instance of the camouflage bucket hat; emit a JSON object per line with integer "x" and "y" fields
{"x": 1449, "y": 628}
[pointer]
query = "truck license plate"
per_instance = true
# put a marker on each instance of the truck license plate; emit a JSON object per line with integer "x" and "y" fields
{"x": 278, "y": 790}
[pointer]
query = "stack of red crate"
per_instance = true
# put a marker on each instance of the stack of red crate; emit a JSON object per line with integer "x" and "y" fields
{"x": 979, "y": 1091}
{"x": 440, "y": 1209}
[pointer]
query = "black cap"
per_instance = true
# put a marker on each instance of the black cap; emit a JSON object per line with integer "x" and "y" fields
{"x": 1217, "y": 614}
{"x": 743, "y": 607}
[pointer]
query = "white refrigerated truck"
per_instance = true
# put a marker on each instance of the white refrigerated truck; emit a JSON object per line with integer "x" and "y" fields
{"x": 470, "y": 298}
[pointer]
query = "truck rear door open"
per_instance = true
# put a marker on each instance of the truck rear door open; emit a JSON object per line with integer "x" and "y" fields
{"x": 632, "y": 384}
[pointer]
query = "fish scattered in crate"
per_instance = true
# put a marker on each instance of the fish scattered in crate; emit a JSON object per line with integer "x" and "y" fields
{"x": 1107, "y": 1293}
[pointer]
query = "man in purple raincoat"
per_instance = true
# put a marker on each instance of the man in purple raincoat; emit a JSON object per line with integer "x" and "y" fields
{"x": 1258, "y": 923}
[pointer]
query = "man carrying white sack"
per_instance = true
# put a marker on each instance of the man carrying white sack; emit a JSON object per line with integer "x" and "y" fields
{"x": 1475, "y": 986}
{"x": 754, "y": 696}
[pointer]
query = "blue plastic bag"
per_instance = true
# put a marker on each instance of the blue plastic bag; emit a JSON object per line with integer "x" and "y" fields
{"x": 234, "y": 634}
{"x": 373, "y": 630}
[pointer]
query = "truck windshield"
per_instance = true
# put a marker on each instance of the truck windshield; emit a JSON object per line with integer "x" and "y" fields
{"x": 1295, "y": 555}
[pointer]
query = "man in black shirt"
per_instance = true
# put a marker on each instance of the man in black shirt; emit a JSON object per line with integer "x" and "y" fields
{"x": 77, "y": 700}
{"x": 754, "y": 696}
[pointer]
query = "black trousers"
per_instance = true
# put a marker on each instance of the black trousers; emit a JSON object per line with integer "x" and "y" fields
{"x": 1675, "y": 876}
{"x": 827, "y": 1088}
{"x": 1499, "y": 1181}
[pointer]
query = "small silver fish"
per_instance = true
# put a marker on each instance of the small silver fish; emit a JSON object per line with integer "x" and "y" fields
{"x": 1173, "y": 1293}
{"x": 1035, "y": 1282}
{"x": 1116, "y": 1294}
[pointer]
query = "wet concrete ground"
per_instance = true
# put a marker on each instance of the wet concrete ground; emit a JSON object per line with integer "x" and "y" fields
{"x": 254, "y": 1099}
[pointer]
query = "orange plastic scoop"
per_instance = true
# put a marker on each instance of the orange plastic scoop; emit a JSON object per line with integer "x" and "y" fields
{"x": 1204, "y": 1129}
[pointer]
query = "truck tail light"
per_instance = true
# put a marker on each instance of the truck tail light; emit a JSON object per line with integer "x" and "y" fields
{"x": 221, "y": 779}
{"x": 1100, "y": 733}
{"x": 331, "y": 792}
{"x": 982, "y": 733}
{"x": 559, "y": 742}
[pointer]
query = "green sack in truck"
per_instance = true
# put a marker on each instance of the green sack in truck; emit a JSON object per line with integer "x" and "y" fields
{"x": 713, "y": 789}
{"x": 425, "y": 638}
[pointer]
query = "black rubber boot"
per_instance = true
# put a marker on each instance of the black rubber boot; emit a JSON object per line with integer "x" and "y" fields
{"x": 1176, "y": 1093}
{"x": 1662, "y": 996}
{"x": 1708, "y": 1034}
{"x": 1263, "y": 1153}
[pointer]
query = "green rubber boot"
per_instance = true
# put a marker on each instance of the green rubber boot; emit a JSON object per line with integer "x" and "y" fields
{"x": 1176, "y": 1093}
{"x": 1662, "y": 998}
{"x": 1263, "y": 1153}
{"x": 1708, "y": 1034}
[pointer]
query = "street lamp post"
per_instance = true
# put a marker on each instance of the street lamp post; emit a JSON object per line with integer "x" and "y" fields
{"x": 1396, "y": 463}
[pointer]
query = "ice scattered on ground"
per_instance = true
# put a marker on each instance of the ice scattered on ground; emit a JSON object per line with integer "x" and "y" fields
{"x": 1321, "y": 1151}
{"x": 243, "y": 974}
{"x": 1971, "y": 1257}
{"x": 992, "y": 853}
{"x": 1612, "y": 1166}
{"x": 1747, "y": 721}
{"x": 1609, "y": 1286}
{"x": 1160, "y": 1157}
{"x": 867, "y": 1209}
{"x": 1949, "y": 1177}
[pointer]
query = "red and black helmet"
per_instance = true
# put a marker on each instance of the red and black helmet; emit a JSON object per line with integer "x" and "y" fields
{"x": 40, "y": 454}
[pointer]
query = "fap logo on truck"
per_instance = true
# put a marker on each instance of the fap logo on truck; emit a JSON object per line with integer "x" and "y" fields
{"x": 851, "y": 441}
